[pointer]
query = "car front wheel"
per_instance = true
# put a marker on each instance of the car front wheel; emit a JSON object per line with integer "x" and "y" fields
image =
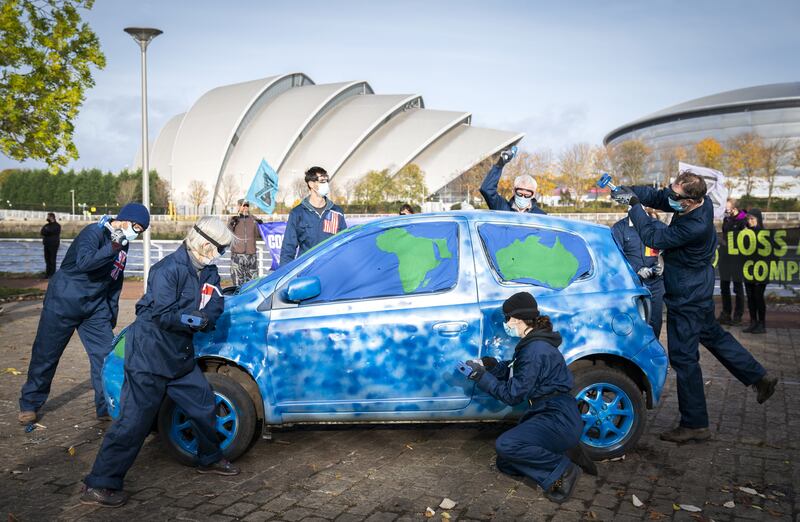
{"x": 612, "y": 409}
{"x": 236, "y": 422}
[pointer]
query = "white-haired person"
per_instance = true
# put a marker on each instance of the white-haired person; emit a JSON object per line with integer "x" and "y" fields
{"x": 525, "y": 186}
{"x": 159, "y": 362}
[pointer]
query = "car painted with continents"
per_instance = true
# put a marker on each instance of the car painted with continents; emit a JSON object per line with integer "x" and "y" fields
{"x": 369, "y": 326}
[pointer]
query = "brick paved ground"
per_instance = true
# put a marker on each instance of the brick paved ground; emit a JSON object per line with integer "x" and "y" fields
{"x": 394, "y": 473}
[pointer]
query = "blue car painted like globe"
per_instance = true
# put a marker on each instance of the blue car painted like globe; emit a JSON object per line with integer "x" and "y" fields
{"x": 369, "y": 326}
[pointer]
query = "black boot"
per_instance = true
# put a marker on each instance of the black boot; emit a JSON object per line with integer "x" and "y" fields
{"x": 562, "y": 488}
{"x": 736, "y": 321}
{"x": 103, "y": 497}
{"x": 724, "y": 319}
{"x": 750, "y": 328}
{"x": 579, "y": 456}
{"x": 682, "y": 434}
{"x": 765, "y": 388}
{"x": 759, "y": 329}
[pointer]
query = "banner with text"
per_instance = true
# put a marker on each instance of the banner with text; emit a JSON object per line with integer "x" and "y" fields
{"x": 766, "y": 256}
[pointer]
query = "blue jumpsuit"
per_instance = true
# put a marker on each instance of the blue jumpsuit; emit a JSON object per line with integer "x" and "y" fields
{"x": 689, "y": 243}
{"x": 552, "y": 424}
{"x": 639, "y": 255}
{"x": 84, "y": 295}
{"x": 307, "y": 228}
{"x": 159, "y": 361}
{"x": 495, "y": 200}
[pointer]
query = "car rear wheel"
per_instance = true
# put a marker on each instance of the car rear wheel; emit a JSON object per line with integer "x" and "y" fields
{"x": 612, "y": 409}
{"x": 236, "y": 422}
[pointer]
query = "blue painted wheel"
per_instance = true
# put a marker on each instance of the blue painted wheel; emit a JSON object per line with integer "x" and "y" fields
{"x": 235, "y": 422}
{"x": 612, "y": 410}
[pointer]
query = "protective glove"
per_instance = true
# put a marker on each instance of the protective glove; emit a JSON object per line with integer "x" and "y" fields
{"x": 477, "y": 370}
{"x": 203, "y": 320}
{"x": 118, "y": 239}
{"x": 489, "y": 362}
{"x": 658, "y": 270}
{"x": 506, "y": 156}
{"x": 625, "y": 196}
{"x": 645, "y": 272}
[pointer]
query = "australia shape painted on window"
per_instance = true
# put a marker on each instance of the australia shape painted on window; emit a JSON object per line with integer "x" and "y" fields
{"x": 416, "y": 256}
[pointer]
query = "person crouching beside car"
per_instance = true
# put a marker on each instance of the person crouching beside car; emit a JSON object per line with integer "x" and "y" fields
{"x": 536, "y": 447}
{"x": 159, "y": 361}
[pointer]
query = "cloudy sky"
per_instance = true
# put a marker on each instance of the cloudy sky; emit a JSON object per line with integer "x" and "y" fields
{"x": 560, "y": 71}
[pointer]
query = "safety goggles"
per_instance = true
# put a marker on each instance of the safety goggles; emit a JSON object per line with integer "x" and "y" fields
{"x": 523, "y": 193}
{"x": 220, "y": 247}
{"x": 137, "y": 228}
{"x": 674, "y": 195}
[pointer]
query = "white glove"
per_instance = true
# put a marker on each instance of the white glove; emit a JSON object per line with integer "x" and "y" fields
{"x": 645, "y": 272}
{"x": 658, "y": 270}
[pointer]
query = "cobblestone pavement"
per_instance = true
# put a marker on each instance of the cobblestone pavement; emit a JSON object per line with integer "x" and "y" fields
{"x": 395, "y": 472}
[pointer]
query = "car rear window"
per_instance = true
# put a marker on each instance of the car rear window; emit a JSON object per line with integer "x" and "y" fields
{"x": 411, "y": 259}
{"x": 538, "y": 256}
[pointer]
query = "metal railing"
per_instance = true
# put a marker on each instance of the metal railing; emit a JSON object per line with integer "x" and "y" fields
{"x": 27, "y": 256}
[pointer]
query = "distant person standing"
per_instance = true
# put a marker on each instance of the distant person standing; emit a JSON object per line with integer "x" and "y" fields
{"x": 524, "y": 188}
{"x": 756, "y": 304}
{"x": 51, "y": 237}
{"x": 730, "y": 267}
{"x": 406, "y": 209}
{"x": 244, "y": 259}
{"x": 314, "y": 220}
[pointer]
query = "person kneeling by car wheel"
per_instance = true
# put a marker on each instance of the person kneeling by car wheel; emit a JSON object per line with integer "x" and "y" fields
{"x": 536, "y": 447}
{"x": 182, "y": 298}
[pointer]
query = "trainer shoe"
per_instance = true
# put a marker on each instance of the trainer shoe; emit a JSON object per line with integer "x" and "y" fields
{"x": 103, "y": 497}
{"x": 26, "y": 417}
{"x": 682, "y": 434}
{"x": 220, "y": 467}
{"x": 765, "y": 388}
{"x": 562, "y": 488}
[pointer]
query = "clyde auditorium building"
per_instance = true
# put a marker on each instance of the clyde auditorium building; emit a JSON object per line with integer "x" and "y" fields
{"x": 771, "y": 111}
{"x": 293, "y": 123}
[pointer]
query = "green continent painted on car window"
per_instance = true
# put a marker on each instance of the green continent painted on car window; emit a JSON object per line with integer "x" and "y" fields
{"x": 416, "y": 256}
{"x": 554, "y": 266}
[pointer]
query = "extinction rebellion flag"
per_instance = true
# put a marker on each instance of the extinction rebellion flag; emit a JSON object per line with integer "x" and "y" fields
{"x": 766, "y": 256}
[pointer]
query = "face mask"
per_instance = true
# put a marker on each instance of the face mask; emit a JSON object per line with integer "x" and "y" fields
{"x": 130, "y": 233}
{"x": 510, "y": 330}
{"x": 522, "y": 202}
{"x": 323, "y": 189}
{"x": 676, "y": 205}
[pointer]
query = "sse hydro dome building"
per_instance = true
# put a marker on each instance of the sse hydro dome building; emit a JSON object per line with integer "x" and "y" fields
{"x": 771, "y": 111}
{"x": 293, "y": 124}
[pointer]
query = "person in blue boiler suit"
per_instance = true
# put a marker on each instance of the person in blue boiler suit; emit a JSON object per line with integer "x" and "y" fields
{"x": 689, "y": 243}
{"x": 524, "y": 188}
{"x": 82, "y": 295}
{"x": 645, "y": 262}
{"x": 537, "y": 447}
{"x": 159, "y": 362}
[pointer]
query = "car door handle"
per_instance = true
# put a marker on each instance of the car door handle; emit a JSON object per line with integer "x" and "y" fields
{"x": 450, "y": 329}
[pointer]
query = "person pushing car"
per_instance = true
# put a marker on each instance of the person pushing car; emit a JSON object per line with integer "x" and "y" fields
{"x": 183, "y": 297}
{"x": 551, "y": 427}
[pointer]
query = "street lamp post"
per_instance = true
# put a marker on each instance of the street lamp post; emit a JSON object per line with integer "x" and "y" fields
{"x": 71, "y": 216}
{"x": 143, "y": 36}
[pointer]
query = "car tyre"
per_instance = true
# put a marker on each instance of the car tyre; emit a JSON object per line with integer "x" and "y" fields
{"x": 236, "y": 422}
{"x": 613, "y": 411}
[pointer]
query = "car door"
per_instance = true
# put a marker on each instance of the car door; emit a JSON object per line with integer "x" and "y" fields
{"x": 397, "y": 310}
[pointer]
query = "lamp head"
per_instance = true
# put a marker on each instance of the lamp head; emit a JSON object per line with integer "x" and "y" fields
{"x": 143, "y": 35}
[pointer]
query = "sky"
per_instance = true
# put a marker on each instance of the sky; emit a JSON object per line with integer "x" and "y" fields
{"x": 562, "y": 72}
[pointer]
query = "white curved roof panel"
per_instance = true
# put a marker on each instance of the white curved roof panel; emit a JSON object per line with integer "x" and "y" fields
{"x": 397, "y": 142}
{"x": 458, "y": 150}
{"x": 338, "y": 133}
{"x": 280, "y": 125}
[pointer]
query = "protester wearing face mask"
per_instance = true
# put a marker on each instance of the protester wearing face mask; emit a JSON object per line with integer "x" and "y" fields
{"x": 159, "y": 362}
{"x": 244, "y": 257}
{"x": 315, "y": 219}
{"x": 525, "y": 187}
{"x": 689, "y": 243}
{"x": 537, "y": 374}
{"x": 730, "y": 267}
{"x": 82, "y": 295}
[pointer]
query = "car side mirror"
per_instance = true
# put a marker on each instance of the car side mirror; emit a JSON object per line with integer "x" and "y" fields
{"x": 302, "y": 289}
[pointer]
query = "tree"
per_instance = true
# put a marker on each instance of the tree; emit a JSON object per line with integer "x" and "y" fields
{"x": 229, "y": 192}
{"x": 575, "y": 169}
{"x": 774, "y": 154}
{"x": 46, "y": 55}
{"x": 710, "y": 153}
{"x": 198, "y": 193}
{"x": 629, "y": 159}
{"x": 409, "y": 184}
{"x": 376, "y": 187}
{"x": 746, "y": 158}
{"x": 126, "y": 191}
{"x": 796, "y": 156}
{"x": 670, "y": 162}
